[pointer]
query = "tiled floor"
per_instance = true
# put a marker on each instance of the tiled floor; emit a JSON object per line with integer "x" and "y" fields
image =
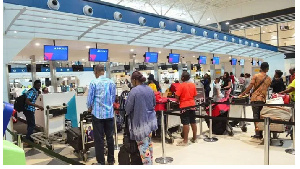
{"x": 237, "y": 150}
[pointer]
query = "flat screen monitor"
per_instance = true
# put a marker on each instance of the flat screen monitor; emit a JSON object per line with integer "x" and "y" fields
{"x": 233, "y": 61}
{"x": 98, "y": 55}
{"x": 151, "y": 57}
{"x": 259, "y": 63}
{"x": 77, "y": 68}
{"x": 242, "y": 62}
{"x": 174, "y": 58}
{"x": 253, "y": 62}
{"x": 80, "y": 90}
{"x": 216, "y": 61}
{"x": 56, "y": 53}
{"x": 202, "y": 60}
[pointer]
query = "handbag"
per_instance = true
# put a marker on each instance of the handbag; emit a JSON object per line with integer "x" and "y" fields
{"x": 258, "y": 85}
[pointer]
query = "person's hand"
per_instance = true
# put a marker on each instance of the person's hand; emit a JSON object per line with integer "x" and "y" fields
{"x": 240, "y": 96}
{"x": 41, "y": 108}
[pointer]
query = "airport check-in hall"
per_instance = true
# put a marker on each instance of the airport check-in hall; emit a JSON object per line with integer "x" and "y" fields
{"x": 121, "y": 82}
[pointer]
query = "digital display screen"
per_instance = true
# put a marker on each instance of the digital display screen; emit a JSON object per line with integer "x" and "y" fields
{"x": 216, "y": 61}
{"x": 174, "y": 58}
{"x": 259, "y": 63}
{"x": 242, "y": 62}
{"x": 80, "y": 90}
{"x": 55, "y": 53}
{"x": 98, "y": 55}
{"x": 254, "y": 62}
{"x": 202, "y": 60}
{"x": 233, "y": 61}
{"x": 151, "y": 57}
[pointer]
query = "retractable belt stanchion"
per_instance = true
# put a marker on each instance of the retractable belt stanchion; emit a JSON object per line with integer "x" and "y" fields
{"x": 200, "y": 122}
{"x": 19, "y": 141}
{"x": 292, "y": 150}
{"x": 210, "y": 138}
{"x": 163, "y": 159}
{"x": 267, "y": 141}
{"x": 116, "y": 133}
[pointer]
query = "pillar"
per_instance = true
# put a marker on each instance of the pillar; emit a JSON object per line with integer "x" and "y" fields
{"x": 33, "y": 69}
{"x": 53, "y": 75}
{"x": 108, "y": 72}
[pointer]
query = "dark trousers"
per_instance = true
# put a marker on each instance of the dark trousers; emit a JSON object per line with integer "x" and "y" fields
{"x": 30, "y": 123}
{"x": 101, "y": 127}
{"x": 256, "y": 114}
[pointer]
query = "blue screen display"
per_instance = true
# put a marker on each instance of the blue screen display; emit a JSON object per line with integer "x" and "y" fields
{"x": 55, "y": 53}
{"x": 202, "y": 60}
{"x": 151, "y": 57}
{"x": 233, "y": 61}
{"x": 254, "y": 62}
{"x": 216, "y": 60}
{"x": 98, "y": 55}
{"x": 259, "y": 63}
{"x": 174, "y": 58}
{"x": 242, "y": 62}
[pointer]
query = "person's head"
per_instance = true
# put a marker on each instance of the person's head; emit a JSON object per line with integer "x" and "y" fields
{"x": 264, "y": 67}
{"x": 37, "y": 84}
{"x": 63, "y": 83}
{"x": 206, "y": 75}
{"x": 247, "y": 75}
{"x": 137, "y": 78}
{"x": 226, "y": 75}
{"x": 185, "y": 76}
{"x": 45, "y": 90}
{"x": 99, "y": 70}
{"x": 242, "y": 75}
{"x": 89, "y": 128}
{"x": 126, "y": 81}
{"x": 231, "y": 73}
{"x": 292, "y": 71}
{"x": 117, "y": 100}
{"x": 217, "y": 80}
{"x": 176, "y": 81}
{"x": 197, "y": 75}
{"x": 278, "y": 73}
{"x": 151, "y": 77}
{"x": 166, "y": 81}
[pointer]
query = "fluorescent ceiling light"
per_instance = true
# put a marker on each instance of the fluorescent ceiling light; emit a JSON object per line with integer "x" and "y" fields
{"x": 44, "y": 18}
{"x": 37, "y": 44}
{"x": 253, "y": 27}
{"x": 227, "y": 23}
{"x": 159, "y": 51}
{"x": 193, "y": 56}
{"x": 242, "y": 26}
{"x": 82, "y": 59}
{"x": 15, "y": 32}
{"x": 131, "y": 50}
{"x": 208, "y": 19}
{"x": 88, "y": 47}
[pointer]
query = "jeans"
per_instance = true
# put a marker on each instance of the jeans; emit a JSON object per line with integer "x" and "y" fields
{"x": 256, "y": 114}
{"x": 100, "y": 127}
{"x": 30, "y": 123}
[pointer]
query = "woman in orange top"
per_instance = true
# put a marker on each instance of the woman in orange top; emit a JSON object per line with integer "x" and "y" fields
{"x": 186, "y": 93}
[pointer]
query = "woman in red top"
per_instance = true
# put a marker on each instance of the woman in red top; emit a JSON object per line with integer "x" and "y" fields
{"x": 186, "y": 93}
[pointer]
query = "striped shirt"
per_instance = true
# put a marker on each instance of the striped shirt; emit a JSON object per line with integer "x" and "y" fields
{"x": 102, "y": 93}
{"x": 32, "y": 95}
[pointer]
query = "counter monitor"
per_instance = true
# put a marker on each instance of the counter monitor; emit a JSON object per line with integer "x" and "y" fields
{"x": 174, "y": 58}
{"x": 151, "y": 57}
{"x": 98, "y": 55}
{"x": 202, "y": 60}
{"x": 233, "y": 61}
{"x": 216, "y": 61}
{"x": 55, "y": 53}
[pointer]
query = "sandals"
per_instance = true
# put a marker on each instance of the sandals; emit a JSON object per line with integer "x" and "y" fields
{"x": 181, "y": 143}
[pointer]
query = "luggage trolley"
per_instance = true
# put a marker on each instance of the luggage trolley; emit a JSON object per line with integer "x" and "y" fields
{"x": 237, "y": 111}
{"x": 55, "y": 127}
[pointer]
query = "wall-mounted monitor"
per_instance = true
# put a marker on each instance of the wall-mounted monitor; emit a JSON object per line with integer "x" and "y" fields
{"x": 151, "y": 57}
{"x": 216, "y": 61}
{"x": 77, "y": 68}
{"x": 98, "y": 55}
{"x": 242, "y": 62}
{"x": 253, "y": 62}
{"x": 259, "y": 63}
{"x": 174, "y": 58}
{"x": 233, "y": 61}
{"x": 56, "y": 53}
{"x": 202, "y": 60}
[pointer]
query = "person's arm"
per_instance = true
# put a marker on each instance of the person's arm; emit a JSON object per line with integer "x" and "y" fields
{"x": 178, "y": 93}
{"x": 129, "y": 104}
{"x": 29, "y": 98}
{"x": 228, "y": 86}
{"x": 113, "y": 92}
{"x": 290, "y": 89}
{"x": 249, "y": 87}
{"x": 90, "y": 98}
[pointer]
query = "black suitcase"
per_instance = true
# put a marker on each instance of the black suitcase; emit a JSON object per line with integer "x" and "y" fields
{"x": 74, "y": 138}
{"x": 218, "y": 126}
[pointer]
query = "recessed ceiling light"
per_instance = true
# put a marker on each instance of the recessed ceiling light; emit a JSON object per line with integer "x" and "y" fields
{"x": 253, "y": 27}
{"x": 242, "y": 26}
{"x": 227, "y": 23}
{"x": 82, "y": 59}
{"x": 131, "y": 50}
{"x": 264, "y": 31}
{"x": 229, "y": 57}
{"x": 208, "y": 19}
{"x": 133, "y": 56}
{"x": 44, "y": 18}
{"x": 88, "y": 47}
{"x": 15, "y": 32}
{"x": 26, "y": 64}
{"x": 193, "y": 56}
{"x": 159, "y": 51}
{"x": 37, "y": 44}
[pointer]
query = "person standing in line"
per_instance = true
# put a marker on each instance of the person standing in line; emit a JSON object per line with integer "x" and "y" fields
{"x": 292, "y": 76}
{"x": 260, "y": 84}
{"x": 101, "y": 96}
{"x": 226, "y": 84}
{"x": 217, "y": 95}
{"x": 290, "y": 90}
{"x": 186, "y": 93}
{"x": 277, "y": 82}
{"x": 206, "y": 83}
{"x": 141, "y": 115}
{"x": 152, "y": 80}
{"x": 31, "y": 96}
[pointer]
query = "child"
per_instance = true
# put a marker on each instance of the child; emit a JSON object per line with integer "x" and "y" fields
{"x": 117, "y": 105}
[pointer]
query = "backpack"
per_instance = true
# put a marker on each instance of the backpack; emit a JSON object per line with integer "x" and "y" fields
{"x": 19, "y": 104}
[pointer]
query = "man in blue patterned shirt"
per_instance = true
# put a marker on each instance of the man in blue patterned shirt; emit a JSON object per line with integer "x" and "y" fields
{"x": 102, "y": 93}
{"x": 31, "y": 96}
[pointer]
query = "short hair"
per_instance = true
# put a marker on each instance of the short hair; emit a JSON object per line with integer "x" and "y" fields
{"x": 217, "y": 79}
{"x": 264, "y": 66}
{"x": 231, "y": 73}
{"x": 186, "y": 76}
{"x": 44, "y": 88}
{"x": 37, "y": 82}
{"x": 99, "y": 68}
{"x": 176, "y": 81}
{"x": 242, "y": 75}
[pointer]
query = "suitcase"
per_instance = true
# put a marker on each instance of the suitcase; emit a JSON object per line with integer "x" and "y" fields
{"x": 218, "y": 126}
{"x": 74, "y": 138}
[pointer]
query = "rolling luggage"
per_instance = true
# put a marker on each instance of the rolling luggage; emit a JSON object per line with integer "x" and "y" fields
{"x": 74, "y": 138}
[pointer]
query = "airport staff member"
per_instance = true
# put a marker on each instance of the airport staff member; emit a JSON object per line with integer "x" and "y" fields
{"x": 260, "y": 82}
{"x": 31, "y": 96}
{"x": 102, "y": 93}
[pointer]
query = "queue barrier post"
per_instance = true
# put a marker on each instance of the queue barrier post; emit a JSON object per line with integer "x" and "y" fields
{"x": 163, "y": 159}
{"x": 267, "y": 141}
{"x": 116, "y": 133}
{"x": 200, "y": 122}
{"x": 210, "y": 138}
{"x": 19, "y": 141}
{"x": 292, "y": 150}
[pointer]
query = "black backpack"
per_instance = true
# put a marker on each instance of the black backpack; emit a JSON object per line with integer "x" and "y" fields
{"x": 19, "y": 105}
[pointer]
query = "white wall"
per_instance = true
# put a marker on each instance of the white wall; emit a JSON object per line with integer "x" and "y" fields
{"x": 276, "y": 63}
